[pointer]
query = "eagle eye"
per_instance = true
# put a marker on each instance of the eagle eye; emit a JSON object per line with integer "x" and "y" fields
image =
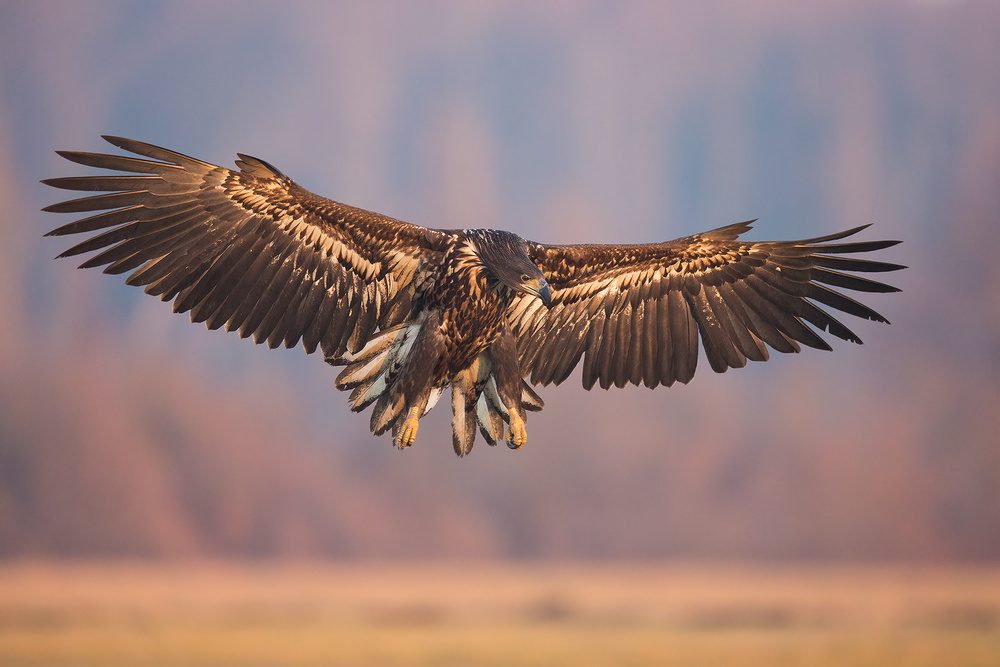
{"x": 525, "y": 277}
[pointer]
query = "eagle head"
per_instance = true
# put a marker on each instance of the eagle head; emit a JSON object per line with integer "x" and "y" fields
{"x": 505, "y": 256}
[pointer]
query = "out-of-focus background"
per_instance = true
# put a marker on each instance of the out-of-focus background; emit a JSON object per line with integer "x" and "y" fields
{"x": 127, "y": 434}
{"x": 127, "y": 431}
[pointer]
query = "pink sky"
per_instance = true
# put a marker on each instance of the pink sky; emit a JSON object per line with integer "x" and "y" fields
{"x": 127, "y": 429}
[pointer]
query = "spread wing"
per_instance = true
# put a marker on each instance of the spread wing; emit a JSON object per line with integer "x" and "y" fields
{"x": 634, "y": 313}
{"x": 249, "y": 250}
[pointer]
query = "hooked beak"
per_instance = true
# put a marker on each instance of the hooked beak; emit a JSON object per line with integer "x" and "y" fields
{"x": 541, "y": 289}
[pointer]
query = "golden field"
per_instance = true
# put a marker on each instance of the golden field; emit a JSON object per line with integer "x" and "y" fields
{"x": 497, "y": 614}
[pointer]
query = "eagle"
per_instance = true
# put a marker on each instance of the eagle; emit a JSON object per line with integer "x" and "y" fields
{"x": 409, "y": 311}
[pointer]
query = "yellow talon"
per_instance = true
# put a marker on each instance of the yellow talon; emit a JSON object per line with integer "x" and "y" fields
{"x": 408, "y": 433}
{"x": 517, "y": 435}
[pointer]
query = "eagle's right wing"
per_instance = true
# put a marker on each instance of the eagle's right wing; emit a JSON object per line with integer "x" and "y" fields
{"x": 249, "y": 250}
{"x": 634, "y": 313}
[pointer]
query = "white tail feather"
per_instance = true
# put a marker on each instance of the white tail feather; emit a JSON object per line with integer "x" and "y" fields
{"x": 490, "y": 421}
{"x": 362, "y": 371}
{"x": 529, "y": 399}
{"x": 371, "y": 374}
{"x": 378, "y": 344}
{"x": 373, "y": 391}
{"x": 491, "y": 394}
{"x": 384, "y": 413}
{"x": 432, "y": 401}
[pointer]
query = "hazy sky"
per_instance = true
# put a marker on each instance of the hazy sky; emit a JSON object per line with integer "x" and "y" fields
{"x": 563, "y": 122}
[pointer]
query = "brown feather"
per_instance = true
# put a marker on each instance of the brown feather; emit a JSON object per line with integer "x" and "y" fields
{"x": 253, "y": 251}
{"x": 182, "y": 229}
{"x": 737, "y": 298}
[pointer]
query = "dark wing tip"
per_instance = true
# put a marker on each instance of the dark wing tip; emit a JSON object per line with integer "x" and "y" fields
{"x": 136, "y": 146}
{"x": 58, "y": 207}
{"x": 729, "y": 232}
{"x": 62, "y": 183}
{"x": 257, "y": 167}
{"x": 869, "y": 245}
{"x": 120, "y": 142}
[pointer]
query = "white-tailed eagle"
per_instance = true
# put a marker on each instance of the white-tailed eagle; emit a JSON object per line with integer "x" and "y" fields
{"x": 411, "y": 311}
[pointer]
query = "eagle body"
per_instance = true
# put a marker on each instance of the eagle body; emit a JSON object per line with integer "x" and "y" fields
{"x": 457, "y": 335}
{"x": 471, "y": 300}
{"x": 410, "y": 311}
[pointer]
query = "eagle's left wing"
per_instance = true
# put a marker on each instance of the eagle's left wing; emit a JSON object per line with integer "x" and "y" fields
{"x": 634, "y": 313}
{"x": 250, "y": 250}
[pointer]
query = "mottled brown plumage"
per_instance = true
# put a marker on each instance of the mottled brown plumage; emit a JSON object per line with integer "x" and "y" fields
{"x": 410, "y": 311}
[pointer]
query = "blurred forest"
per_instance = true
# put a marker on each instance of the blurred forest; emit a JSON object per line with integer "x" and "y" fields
{"x": 125, "y": 431}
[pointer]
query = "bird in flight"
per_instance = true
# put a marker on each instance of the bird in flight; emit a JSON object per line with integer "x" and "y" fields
{"x": 409, "y": 311}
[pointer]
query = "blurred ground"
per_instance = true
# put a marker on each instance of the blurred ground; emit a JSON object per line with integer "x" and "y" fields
{"x": 127, "y": 432}
{"x": 497, "y": 614}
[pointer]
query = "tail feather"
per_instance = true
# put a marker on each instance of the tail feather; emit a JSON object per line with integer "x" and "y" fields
{"x": 360, "y": 372}
{"x": 375, "y": 346}
{"x": 366, "y": 362}
{"x": 466, "y": 394}
{"x": 529, "y": 399}
{"x": 387, "y": 410}
{"x": 371, "y": 375}
{"x": 433, "y": 399}
{"x": 463, "y": 423}
{"x": 365, "y": 394}
{"x": 489, "y": 414}
{"x": 491, "y": 396}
